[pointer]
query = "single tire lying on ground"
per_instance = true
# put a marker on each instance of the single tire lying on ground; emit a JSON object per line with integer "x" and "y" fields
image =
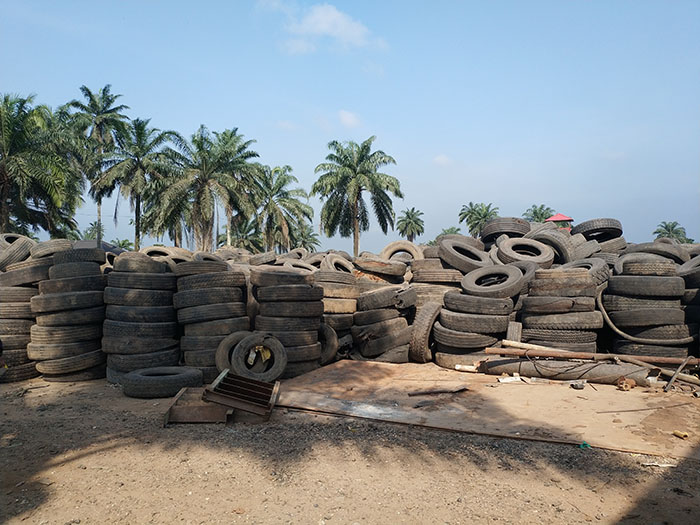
{"x": 159, "y": 382}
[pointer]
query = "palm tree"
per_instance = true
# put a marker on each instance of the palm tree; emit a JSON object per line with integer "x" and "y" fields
{"x": 303, "y": 236}
{"x": 279, "y": 207}
{"x": 452, "y": 230}
{"x": 207, "y": 168}
{"x": 102, "y": 122}
{"x": 538, "y": 213}
{"x": 246, "y": 234}
{"x": 476, "y": 216}
{"x": 137, "y": 159}
{"x": 410, "y": 224}
{"x": 30, "y": 169}
{"x": 350, "y": 170}
{"x": 124, "y": 244}
{"x": 672, "y": 230}
{"x": 94, "y": 231}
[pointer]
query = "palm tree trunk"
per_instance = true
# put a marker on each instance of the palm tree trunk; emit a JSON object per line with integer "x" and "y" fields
{"x": 99, "y": 222}
{"x": 137, "y": 223}
{"x": 355, "y": 231}
{"x": 229, "y": 224}
{"x": 5, "y": 207}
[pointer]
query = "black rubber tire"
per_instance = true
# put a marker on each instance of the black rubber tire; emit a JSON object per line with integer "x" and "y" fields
{"x": 459, "y": 339}
{"x": 292, "y": 309}
{"x": 296, "y": 354}
{"x": 462, "y": 256}
{"x": 691, "y": 296}
{"x": 210, "y": 312}
{"x": 45, "y": 263}
{"x": 135, "y": 262}
{"x": 338, "y": 306}
{"x": 278, "y": 276}
{"x": 586, "y": 250}
{"x": 469, "y": 304}
{"x": 136, "y": 345}
{"x": 156, "y": 330}
{"x": 50, "y": 247}
{"x": 14, "y": 357}
{"x": 560, "y": 242}
{"x": 691, "y": 277}
{"x": 338, "y": 321}
{"x": 629, "y": 348}
{"x": 200, "y": 267}
{"x": 300, "y": 368}
{"x": 262, "y": 258}
{"x": 401, "y": 246}
{"x": 432, "y": 263}
{"x": 616, "y": 303}
{"x": 664, "y": 332}
{"x": 272, "y": 371}
{"x": 76, "y": 255}
{"x": 572, "y": 287}
{"x": 60, "y": 302}
{"x": 333, "y": 262}
{"x": 275, "y": 324}
{"x": 561, "y": 336}
{"x": 421, "y": 343}
{"x": 495, "y": 281}
{"x": 74, "y": 269}
{"x": 200, "y": 358}
{"x": 669, "y": 251}
{"x": 149, "y": 383}
{"x": 647, "y": 317}
{"x": 328, "y": 339}
{"x": 376, "y": 347}
{"x": 296, "y": 338}
{"x": 192, "y": 343}
{"x": 90, "y": 374}
{"x": 15, "y": 326}
{"x": 599, "y": 229}
{"x": 597, "y": 268}
{"x": 129, "y": 362}
{"x": 211, "y": 280}
{"x": 17, "y": 294}
{"x": 141, "y": 314}
{"x": 137, "y": 297}
{"x": 636, "y": 257}
{"x": 114, "y": 377}
{"x": 65, "y": 334}
{"x": 591, "y": 347}
{"x": 145, "y": 281}
{"x": 613, "y": 246}
{"x": 514, "y": 250}
{"x": 14, "y": 342}
{"x": 72, "y": 317}
{"x": 222, "y": 357}
{"x": 476, "y": 323}
{"x": 646, "y": 286}
{"x": 206, "y": 296}
{"x": 572, "y": 321}
{"x": 91, "y": 283}
{"x": 327, "y": 276}
{"x": 24, "y": 276}
{"x": 382, "y": 267}
{"x": 543, "y": 304}
{"x": 76, "y": 363}
{"x": 364, "y": 333}
{"x": 385, "y": 297}
{"x": 511, "y": 226}
{"x": 657, "y": 268}
{"x": 528, "y": 270}
{"x": 16, "y": 252}
{"x": 16, "y": 311}
{"x": 338, "y": 291}
{"x": 20, "y": 373}
{"x": 436, "y": 276}
{"x": 374, "y": 316}
{"x": 219, "y": 326}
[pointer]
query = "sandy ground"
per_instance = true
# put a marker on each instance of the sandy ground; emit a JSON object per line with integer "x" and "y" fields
{"x": 83, "y": 453}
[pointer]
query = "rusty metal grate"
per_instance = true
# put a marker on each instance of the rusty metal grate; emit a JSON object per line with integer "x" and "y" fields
{"x": 242, "y": 393}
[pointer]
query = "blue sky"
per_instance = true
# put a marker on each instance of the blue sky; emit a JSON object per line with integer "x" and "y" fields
{"x": 592, "y": 108}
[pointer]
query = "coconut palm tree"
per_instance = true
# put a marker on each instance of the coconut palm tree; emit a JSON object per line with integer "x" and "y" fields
{"x": 33, "y": 176}
{"x": 280, "y": 207}
{"x": 102, "y": 121}
{"x": 124, "y": 244}
{"x": 303, "y": 236}
{"x": 410, "y": 224}
{"x": 452, "y": 230}
{"x": 246, "y": 234}
{"x": 476, "y": 215}
{"x": 351, "y": 169}
{"x": 672, "y": 230}
{"x": 137, "y": 159}
{"x": 538, "y": 213}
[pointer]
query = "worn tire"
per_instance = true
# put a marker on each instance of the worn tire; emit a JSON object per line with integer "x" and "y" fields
{"x": 647, "y": 317}
{"x": 332, "y": 276}
{"x": 462, "y": 256}
{"x": 145, "y": 281}
{"x": 476, "y": 323}
{"x": 137, "y": 345}
{"x": 468, "y": 304}
{"x": 155, "y": 330}
{"x": 615, "y": 303}
{"x": 72, "y": 317}
{"x": 75, "y": 363}
{"x": 629, "y": 348}
{"x": 338, "y": 321}
{"x": 557, "y": 305}
{"x": 560, "y": 336}
{"x": 219, "y": 326}
{"x": 92, "y": 283}
{"x": 271, "y": 372}
{"x": 460, "y": 339}
{"x": 274, "y": 324}
{"x": 210, "y": 312}
{"x": 59, "y": 302}
{"x": 222, "y": 357}
{"x": 65, "y": 334}
{"x": 495, "y": 281}
{"x": 74, "y": 269}
{"x": 572, "y": 321}
{"x": 328, "y": 340}
{"x": 50, "y": 247}
{"x": 292, "y": 309}
{"x": 374, "y": 316}
{"x": 137, "y": 297}
{"x": 129, "y": 362}
{"x": 646, "y": 286}
{"x": 160, "y": 382}
{"x": 140, "y": 314}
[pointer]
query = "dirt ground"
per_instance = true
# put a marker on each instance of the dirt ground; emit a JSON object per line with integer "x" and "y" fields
{"x": 83, "y": 453}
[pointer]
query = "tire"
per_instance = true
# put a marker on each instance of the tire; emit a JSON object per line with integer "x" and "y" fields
{"x": 193, "y": 343}
{"x": 616, "y": 303}
{"x": 15, "y": 326}
{"x": 296, "y": 338}
{"x": 664, "y": 332}
{"x": 380, "y": 266}
{"x": 137, "y": 297}
{"x": 72, "y": 317}
{"x": 691, "y": 277}
{"x": 459, "y": 339}
{"x": 401, "y": 246}
{"x": 648, "y": 317}
{"x": 90, "y": 374}
{"x": 166, "y": 381}
{"x": 571, "y": 347}
{"x": 628, "y": 348}
{"x": 660, "y": 268}
{"x": 557, "y": 305}
{"x": 16, "y": 252}
{"x": 615, "y": 245}
{"x": 65, "y": 334}
{"x": 211, "y": 280}
{"x": 77, "y": 255}
{"x": 113, "y": 376}
{"x": 468, "y": 304}
{"x": 328, "y": 339}
{"x": 292, "y": 309}
{"x": 136, "y": 262}
{"x": 420, "y": 345}
{"x": 272, "y": 371}
{"x": 14, "y": 342}
{"x": 572, "y": 321}
{"x": 15, "y": 357}
{"x": 137, "y": 345}
{"x": 597, "y": 268}
{"x": 129, "y": 362}
{"x": 24, "y": 276}
{"x": 222, "y": 357}
{"x": 691, "y": 296}
{"x": 512, "y": 226}
{"x": 210, "y": 312}
{"x": 476, "y": 323}
{"x": 16, "y": 311}
{"x": 60, "y": 302}
{"x": 635, "y": 257}
{"x": 560, "y": 242}
{"x": 50, "y": 247}
{"x": 296, "y": 354}
{"x": 140, "y": 314}
{"x": 207, "y": 296}
{"x": 528, "y": 270}
{"x": 262, "y": 258}
{"x": 326, "y": 276}
{"x": 336, "y": 263}
{"x": 20, "y": 373}
{"x": 385, "y": 297}
{"x": 462, "y": 256}
{"x": 145, "y": 281}
{"x": 301, "y": 368}
{"x": 436, "y": 276}
{"x": 338, "y": 321}
{"x": 200, "y": 267}
{"x": 646, "y": 286}
{"x": 275, "y": 276}
{"x": 599, "y": 229}
{"x": 45, "y": 263}
{"x": 572, "y": 287}
{"x": 339, "y": 291}
{"x": 669, "y": 251}
{"x": 558, "y": 336}
{"x": 374, "y": 316}
{"x": 16, "y": 294}
{"x": 274, "y": 324}
{"x": 514, "y": 250}
{"x": 93, "y": 283}
{"x": 219, "y": 326}
{"x": 200, "y": 358}
{"x": 377, "y": 330}
{"x": 376, "y": 347}
{"x": 338, "y": 306}
{"x": 74, "y": 269}
{"x": 586, "y": 250}
{"x": 74, "y": 363}
{"x": 496, "y": 281}
{"x": 451, "y": 360}
{"x": 155, "y": 330}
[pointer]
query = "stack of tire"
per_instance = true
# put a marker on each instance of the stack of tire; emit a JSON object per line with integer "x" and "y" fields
{"x": 340, "y": 294}
{"x": 210, "y": 304}
{"x": 140, "y": 330}
{"x": 290, "y": 310}
{"x": 559, "y": 310}
{"x": 645, "y": 302}
{"x": 474, "y": 318}
{"x": 381, "y": 328}
{"x": 66, "y": 341}
{"x": 607, "y": 233}
{"x": 690, "y": 272}
{"x": 373, "y": 271}
{"x": 17, "y": 286}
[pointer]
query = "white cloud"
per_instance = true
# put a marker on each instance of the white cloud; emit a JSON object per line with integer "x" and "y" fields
{"x": 442, "y": 160}
{"x": 348, "y": 118}
{"x": 298, "y": 46}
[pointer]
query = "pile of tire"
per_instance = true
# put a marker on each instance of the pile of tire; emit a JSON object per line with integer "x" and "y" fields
{"x": 607, "y": 233}
{"x": 381, "y": 330}
{"x": 340, "y": 293}
{"x": 690, "y": 272}
{"x": 290, "y": 311}
{"x": 374, "y": 272}
{"x": 18, "y": 284}
{"x": 66, "y": 341}
{"x": 644, "y": 302}
{"x": 474, "y": 318}
{"x": 140, "y": 329}
{"x": 210, "y": 304}
{"x": 559, "y": 310}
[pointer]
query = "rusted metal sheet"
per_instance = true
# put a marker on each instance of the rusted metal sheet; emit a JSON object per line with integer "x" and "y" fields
{"x": 245, "y": 394}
